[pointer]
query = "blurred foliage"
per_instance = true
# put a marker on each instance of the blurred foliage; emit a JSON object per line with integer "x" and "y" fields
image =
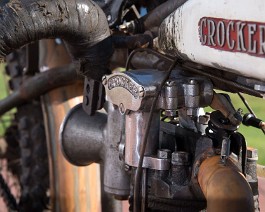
{"x": 254, "y": 137}
{"x": 5, "y": 120}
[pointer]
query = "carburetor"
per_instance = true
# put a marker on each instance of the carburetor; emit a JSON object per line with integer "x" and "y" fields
{"x": 134, "y": 91}
{"x": 168, "y": 163}
{"x": 180, "y": 139}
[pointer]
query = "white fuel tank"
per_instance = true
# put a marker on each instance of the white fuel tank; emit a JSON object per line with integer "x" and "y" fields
{"x": 225, "y": 34}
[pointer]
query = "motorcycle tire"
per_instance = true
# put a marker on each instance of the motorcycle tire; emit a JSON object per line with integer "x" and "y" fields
{"x": 27, "y": 142}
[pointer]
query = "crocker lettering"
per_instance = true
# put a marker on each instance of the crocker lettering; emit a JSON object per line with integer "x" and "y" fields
{"x": 233, "y": 35}
{"x": 121, "y": 81}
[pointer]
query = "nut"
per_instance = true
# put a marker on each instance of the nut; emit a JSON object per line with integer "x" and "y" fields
{"x": 180, "y": 158}
{"x": 252, "y": 153}
{"x": 164, "y": 154}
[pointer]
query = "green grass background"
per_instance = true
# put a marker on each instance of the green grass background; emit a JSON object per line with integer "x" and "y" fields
{"x": 254, "y": 137}
{"x": 5, "y": 120}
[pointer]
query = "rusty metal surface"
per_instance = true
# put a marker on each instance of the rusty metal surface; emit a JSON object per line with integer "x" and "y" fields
{"x": 224, "y": 187}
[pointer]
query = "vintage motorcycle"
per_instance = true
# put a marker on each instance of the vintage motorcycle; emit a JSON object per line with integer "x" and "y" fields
{"x": 144, "y": 124}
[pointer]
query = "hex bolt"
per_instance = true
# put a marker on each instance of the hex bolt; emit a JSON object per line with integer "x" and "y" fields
{"x": 104, "y": 80}
{"x": 180, "y": 158}
{"x": 252, "y": 154}
{"x": 141, "y": 91}
{"x": 164, "y": 154}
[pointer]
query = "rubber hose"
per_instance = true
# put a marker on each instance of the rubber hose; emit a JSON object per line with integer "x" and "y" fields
{"x": 80, "y": 23}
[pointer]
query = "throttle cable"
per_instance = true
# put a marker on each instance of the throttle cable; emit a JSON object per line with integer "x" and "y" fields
{"x": 139, "y": 169}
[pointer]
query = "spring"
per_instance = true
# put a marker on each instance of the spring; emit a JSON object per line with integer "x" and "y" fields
{"x": 218, "y": 128}
{"x": 212, "y": 130}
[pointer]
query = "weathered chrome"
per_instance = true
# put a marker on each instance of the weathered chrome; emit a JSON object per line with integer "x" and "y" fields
{"x": 116, "y": 179}
{"x": 190, "y": 93}
{"x": 87, "y": 139}
{"x": 137, "y": 88}
{"x": 259, "y": 87}
{"x": 133, "y": 89}
{"x": 202, "y": 123}
{"x": 225, "y": 150}
{"x": 252, "y": 174}
{"x": 156, "y": 163}
{"x": 164, "y": 153}
{"x": 135, "y": 127}
{"x": 121, "y": 151}
{"x": 252, "y": 154}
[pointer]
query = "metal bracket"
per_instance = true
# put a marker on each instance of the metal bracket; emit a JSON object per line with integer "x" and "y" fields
{"x": 93, "y": 97}
{"x": 156, "y": 163}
